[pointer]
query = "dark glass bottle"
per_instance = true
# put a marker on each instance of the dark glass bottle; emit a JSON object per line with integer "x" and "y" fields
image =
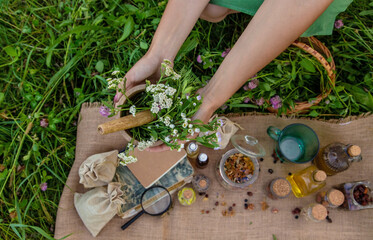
{"x": 337, "y": 157}
{"x": 202, "y": 160}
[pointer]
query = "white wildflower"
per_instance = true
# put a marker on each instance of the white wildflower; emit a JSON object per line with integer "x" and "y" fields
{"x": 190, "y": 125}
{"x": 115, "y": 73}
{"x": 133, "y": 110}
{"x": 124, "y": 160}
{"x": 167, "y": 139}
{"x": 190, "y": 131}
{"x": 185, "y": 124}
{"x": 172, "y": 126}
{"x": 183, "y": 115}
{"x": 194, "y": 104}
{"x": 197, "y": 130}
{"x": 167, "y": 62}
{"x": 199, "y": 97}
{"x": 149, "y": 127}
{"x": 174, "y": 132}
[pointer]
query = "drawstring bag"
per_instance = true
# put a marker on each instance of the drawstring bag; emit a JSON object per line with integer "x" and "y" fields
{"x": 99, "y": 169}
{"x": 98, "y": 206}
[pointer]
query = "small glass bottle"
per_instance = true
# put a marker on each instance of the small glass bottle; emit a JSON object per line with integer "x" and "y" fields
{"x": 332, "y": 198}
{"x": 315, "y": 212}
{"x": 337, "y": 157}
{"x": 307, "y": 181}
{"x": 202, "y": 160}
{"x": 201, "y": 183}
{"x": 186, "y": 196}
{"x": 192, "y": 151}
{"x": 278, "y": 188}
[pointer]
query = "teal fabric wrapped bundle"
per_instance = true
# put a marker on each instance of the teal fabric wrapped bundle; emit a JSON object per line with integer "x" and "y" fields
{"x": 322, "y": 26}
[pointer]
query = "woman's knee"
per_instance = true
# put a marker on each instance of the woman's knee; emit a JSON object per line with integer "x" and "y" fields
{"x": 214, "y": 13}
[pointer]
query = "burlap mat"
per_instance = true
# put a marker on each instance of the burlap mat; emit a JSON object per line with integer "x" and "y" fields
{"x": 190, "y": 223}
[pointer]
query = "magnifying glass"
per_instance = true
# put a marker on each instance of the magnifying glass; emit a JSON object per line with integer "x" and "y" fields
{"x": 155, "y": 201}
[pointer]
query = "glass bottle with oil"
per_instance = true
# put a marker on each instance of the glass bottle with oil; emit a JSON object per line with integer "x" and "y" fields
{"x": 337, "y": 157}
{"x": 307, "y": 181}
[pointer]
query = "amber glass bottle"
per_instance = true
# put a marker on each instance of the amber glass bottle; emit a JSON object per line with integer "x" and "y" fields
{"x": 337, "y": 157}
{"x": 307, "y": 181}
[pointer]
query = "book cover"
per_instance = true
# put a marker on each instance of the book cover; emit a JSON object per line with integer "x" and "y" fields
{"x": 174, "y": 179}
{"x": 151, "y": 166}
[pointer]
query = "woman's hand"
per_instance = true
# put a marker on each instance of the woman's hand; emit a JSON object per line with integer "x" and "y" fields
{"x": 147, "y": 68}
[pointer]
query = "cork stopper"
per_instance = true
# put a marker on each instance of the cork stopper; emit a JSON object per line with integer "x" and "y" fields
{"x": 202, "y": 183}
{"x": 281, "y": 187}
{"x": 319, "y": 176}
{"x": 187, "y": 194}
{"x": 354, "y": 151}
{"x": 202, "y": 157}
{"x": 192, "y": 146}
{"x": 336, "y": 197}
{"x": 319, "y": 212}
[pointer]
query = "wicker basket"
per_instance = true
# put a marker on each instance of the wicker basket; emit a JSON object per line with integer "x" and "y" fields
{"x": 318, "y": 50}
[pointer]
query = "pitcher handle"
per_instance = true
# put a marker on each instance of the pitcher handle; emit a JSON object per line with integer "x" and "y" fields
{"x": 274, "y": 132}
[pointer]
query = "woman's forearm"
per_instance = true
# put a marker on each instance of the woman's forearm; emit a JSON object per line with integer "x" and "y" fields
{"x": 177, "y": 21}
{"x": 274, "y": 27}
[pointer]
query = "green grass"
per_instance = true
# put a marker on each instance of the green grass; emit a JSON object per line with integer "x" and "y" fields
{"x": 55, "y": 56}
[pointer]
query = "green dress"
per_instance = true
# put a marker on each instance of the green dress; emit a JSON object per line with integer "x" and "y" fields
{"x": 322, "y": 26}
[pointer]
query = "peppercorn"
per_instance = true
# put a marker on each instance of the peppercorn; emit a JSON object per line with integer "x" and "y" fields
{"x": 216, "y": 203}
{"x": 296, "y": 211}
{"x": 246, "y": 200}
{"x": 250, "y": 194}
{"x": 206, "y": 195}
{"x": 296, "y": 216}
{"x": 289, "y": 173}
{"x": 233, "y": 204}
{"x": 270, "y": 171}
{"x": 246, "y": 206}
{"x": 230, "y": 208}
{"x": 261, "y": 159}
{"x": 274, "y": 161}
{"x": 329, "y": 219}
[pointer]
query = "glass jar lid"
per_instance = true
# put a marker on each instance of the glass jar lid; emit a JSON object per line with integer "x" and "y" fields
{"x": 248, "y": 145}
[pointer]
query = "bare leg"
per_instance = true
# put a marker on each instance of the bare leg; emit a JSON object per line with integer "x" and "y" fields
{"x": 273, "y": 28}
{"x": 215, "y": 13}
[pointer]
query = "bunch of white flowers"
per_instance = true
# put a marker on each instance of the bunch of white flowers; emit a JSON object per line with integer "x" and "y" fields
{"x": 169, "y": 71}
{"x": 162, "y": 96}
{"x": 145, "y": 144}
{"x": 114, "y": 82}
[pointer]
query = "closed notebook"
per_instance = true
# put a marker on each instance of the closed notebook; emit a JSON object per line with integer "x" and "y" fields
{"x": 173, "y": 180}
{"x": 151, "y": 166}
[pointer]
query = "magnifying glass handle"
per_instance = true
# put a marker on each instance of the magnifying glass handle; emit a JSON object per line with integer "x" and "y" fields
{"x": 127, "y": 224}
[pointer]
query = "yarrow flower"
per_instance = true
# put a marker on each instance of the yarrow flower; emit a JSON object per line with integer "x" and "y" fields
{"x": 147, "y": 143}
{"x": 276, "y": 102}
{"x": 133, "y": 110}
{"x": 225, "y": 53}
{"x": 44, "y": 123}
{"x": 126, "y": 159}
{"x": 338, "y": 24}
{"x": 104, "y": 111}
{"x": 113, "y": 82}
{"x": 199, "y": 59}
{"x": 115, "y": 73}
{"x": 44, "y": 186}
{"x": 162, "y": 96}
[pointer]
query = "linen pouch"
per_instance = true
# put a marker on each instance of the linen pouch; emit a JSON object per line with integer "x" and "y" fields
{"x": 225, "y": 131}
{"x": 98, "y": 206}
{"x": 99, "y": 169}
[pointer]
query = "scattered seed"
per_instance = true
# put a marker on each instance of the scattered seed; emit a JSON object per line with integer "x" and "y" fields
{"x": 329, "y": 219}
{"x": 246, "y": 205}
{"x": 250, "y": 223}
{"x": 233, "y": 204}
{"x": 289, "y": 173}
{"x": 230, "y": 209}
{"x": 274, "y": 210}
{"x": 217, "y": 203}
{"x": 207, "y": 212}
{"x": 251, "y": 206}
{"x": 223, "y": 203}
{"x": 261, "y": 159}
{"x": 270, "y": 171}
{"x": 201, "y": 193}
{"x": 296, "y": 216}
{"x": 264, "y": 205}
{"x": 206, "y": 195}
{"x": 246, "y": 200}
{"x": 274, "y": 161}
{"x": 250, "y": 194}
{"x": 259, "y": 169}
{"x": 296, "y": 211}
{"x": 202, "y": 211}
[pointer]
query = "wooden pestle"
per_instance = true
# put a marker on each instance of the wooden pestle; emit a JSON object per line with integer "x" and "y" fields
{"x": 126, "y": 122}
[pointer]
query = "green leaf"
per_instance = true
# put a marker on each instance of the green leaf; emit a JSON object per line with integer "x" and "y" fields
{"x": 266, "y": 86}
{"x": 360, "y": 95}
{"x": 313, "y": 113}
{"x": 366, "y": 12}
{"x": 190, "y": 44}
{"x": 274, "y": 237}
{"x": 128, "y": 28}
{"x": 307, "y": 65}
{"x": 2, "y": 96}
{"x": 144, "y": 45}
{"x": 242, "y": 105}
{"x": 100, "y": 66}
{"x": 11, "y": 51}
